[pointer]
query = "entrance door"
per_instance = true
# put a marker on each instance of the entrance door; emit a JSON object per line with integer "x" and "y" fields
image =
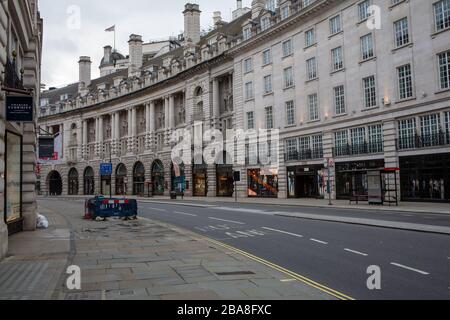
{"x": 55, "y": 184}
{"x": 121, "y": 175}
{"x": 89, "y": 184}
{"x": 306, "y": 186}
{"x": 158, "y": 178}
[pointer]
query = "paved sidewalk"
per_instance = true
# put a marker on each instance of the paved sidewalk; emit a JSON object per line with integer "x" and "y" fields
{"x": 139, "y": 259}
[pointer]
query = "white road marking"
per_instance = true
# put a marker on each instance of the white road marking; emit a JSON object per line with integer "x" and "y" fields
{"x": 409, "y": 268}
{"x": 284, "y": 232}
{"x": 230, "y": 221}
{"x": 319, "y": 241}
{"x": 160, "y": 210}
{"x": 185, "y": 214}
{"x": 356, "y": 252}
{"x": 288, "y": 280}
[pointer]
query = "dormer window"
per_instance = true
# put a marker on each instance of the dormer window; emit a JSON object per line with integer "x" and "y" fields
{"x": 63, "y": 97}
{"x": 265, "y": 23}
{"x": 271, "y": 5}
{"x": 247, "y": 33}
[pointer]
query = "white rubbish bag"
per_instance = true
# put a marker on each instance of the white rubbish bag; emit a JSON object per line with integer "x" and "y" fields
{"x": 42, "y": 222}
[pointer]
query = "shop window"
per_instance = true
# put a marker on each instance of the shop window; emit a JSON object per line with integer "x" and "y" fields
{"x": 13, "y": 178}
{"x": 262, "y": 183}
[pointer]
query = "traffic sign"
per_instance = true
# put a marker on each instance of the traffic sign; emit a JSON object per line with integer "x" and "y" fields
{"x": 106, "y": 169}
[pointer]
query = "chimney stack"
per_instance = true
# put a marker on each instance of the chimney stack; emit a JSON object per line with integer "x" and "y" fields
{"x": 84, "y": 72}
{"x": 192, "y": 22}
{"x": 136, "y": 55}
{"x": 107, "y": 53}
{"x": 239, "y": 4}
{"x": 217, "y": 18}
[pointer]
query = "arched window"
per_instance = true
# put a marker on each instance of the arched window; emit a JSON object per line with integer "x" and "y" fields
{"x": 89, "y": 181}
{"x": 158, "y": 178}
{"x": 73, "y": 182}
{"x": 138, "y": 179}
{"x": 121, "y": 179}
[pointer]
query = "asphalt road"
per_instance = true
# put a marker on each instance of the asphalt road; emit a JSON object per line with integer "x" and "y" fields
{"x": 414, "y": 265}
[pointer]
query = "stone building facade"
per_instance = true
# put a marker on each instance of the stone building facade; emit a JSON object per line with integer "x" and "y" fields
{"x": 20, "y": 60}
{"x": 359, "y": 91}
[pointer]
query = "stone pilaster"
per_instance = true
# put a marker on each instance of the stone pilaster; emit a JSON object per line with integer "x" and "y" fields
{"x": 212, "y": 181}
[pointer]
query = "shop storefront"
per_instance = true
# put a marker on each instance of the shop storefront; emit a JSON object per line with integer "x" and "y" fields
{"x": 305, "y": 182}
{"x": 425, "y": 178}
{"x": 262, "y": 183}
{"x": 352, "y": 180}
{"x": 13, "y": 182}
{"x": 178, "y": 179}
{"x": 200, "y": 180}
{"x": 158, "y": 178}
{"x": 225, "y": 180}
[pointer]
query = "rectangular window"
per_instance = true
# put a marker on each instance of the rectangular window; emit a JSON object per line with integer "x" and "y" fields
{"x": 447, "y": 128}
{"x": 429, "y": 129}
{"x": 13, "y": 177}
{"x": 285, "y": 12}
{"x": 250, "y": 120}
{"x": 401, "y": 32}
{"x": 376, "y": 138}
{"x": 363, "y": 10}
{"x": 444, "y": 70}
{"x": 358, "y": 136}
{"x": 290, "y": 113}
{"x": 405, "y": 82}
{"x": 248, "y": 65}
{"x": 311, "y": 67}
{"x": 337, "y": 59}
{"x": 249, "y": 91}
{"x": 341, "y": 143}
{"x": 442, "y": 15}
{"x": 313, "y": 105}
{"x": 291, "y": 149}
{"x": 310, "y": 37}
{"x": 267, "y": 57}
{"x": 407, "y": 133}
{"x": 288, "y": 75}
{"x": 370, "y": 92}
{"x": 247, "y": 33}
{"x": 287, "y": 48}
{"x": 268, "y": 84}
{"x": 304, "y": 147}
{"x": 339, "y": 100}
{"x": 317, "y": 146}
{"x": 335, "y": 25}
{"x": 269, "y": 118}
{"x": 265, "y": 23}
{"x": 367, "y": 51}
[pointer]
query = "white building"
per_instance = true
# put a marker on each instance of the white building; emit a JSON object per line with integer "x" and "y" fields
{"x": 363, "y": 85}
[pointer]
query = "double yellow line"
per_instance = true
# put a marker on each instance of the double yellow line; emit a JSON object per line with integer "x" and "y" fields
{"x": 287, "y": 272}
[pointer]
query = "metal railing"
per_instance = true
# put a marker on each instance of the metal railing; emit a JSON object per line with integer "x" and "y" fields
{"x": 307, "y": 154}
{"x": 424, "y": 141}
{"x": 358, "y": 149}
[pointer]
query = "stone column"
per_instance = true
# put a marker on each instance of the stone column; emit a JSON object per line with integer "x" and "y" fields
{"x": 216, "y": 103}
{"x": 147, "y": 126}
{"x": 100, "y": 137}
{"x": 79, "y": 141}
{"x": 172, "y": 112}
{"x": 113, "y": 132}
{"x": 61, "y": 132}
{"x": 117, "y": 132}
{"x": 85, "y": 139}
{"x": 134, "y": 129}
{"x": 130, "y": 132}
{"x": 152, "y": 125}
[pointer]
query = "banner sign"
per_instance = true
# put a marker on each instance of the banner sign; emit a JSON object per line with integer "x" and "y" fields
{"x": 57, "y": 156}
{"x": 19, "y": 109}
{"x": 46, "y": 147}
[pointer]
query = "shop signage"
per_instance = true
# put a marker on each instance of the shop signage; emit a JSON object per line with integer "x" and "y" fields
{"x": 19, "y": 109}
{"x": 106, "y": 169}
{"x": 46, "y": 147}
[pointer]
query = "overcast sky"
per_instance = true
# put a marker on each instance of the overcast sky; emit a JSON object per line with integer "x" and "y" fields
{"x": 66, "y": 37}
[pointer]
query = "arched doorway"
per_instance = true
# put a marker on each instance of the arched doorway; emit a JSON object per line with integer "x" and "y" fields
{"x": 121, "y": 180}
{"x": 73, "y": 182}
{"x": 138, "y": 179}
{"x": 89, "y": 181}
{"x": 54, "y": 182}
{"x": 158, "y": 178}
{"x": 178, "y": 178}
